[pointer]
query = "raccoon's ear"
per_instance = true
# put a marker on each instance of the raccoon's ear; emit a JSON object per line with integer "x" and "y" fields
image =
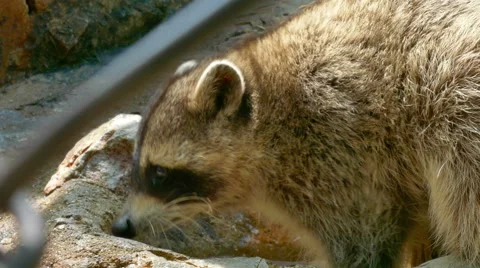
{"x": 220, "y": 88}
{"x": 185, "y": 67}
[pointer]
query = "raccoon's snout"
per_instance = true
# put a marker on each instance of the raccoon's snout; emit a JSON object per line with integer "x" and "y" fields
{"x": 123, "y": 227}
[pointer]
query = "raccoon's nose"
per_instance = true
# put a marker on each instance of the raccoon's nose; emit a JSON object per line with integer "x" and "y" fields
{"x": 123, "y": 227}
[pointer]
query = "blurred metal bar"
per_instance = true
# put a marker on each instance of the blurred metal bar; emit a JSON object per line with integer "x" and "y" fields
{"x": 32, "y": 237}
{"x": 126, "y": 74}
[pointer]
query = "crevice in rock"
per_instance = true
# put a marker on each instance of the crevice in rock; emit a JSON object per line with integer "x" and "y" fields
{"x": 168, "y": 255}
{"x": 31, "y": 6}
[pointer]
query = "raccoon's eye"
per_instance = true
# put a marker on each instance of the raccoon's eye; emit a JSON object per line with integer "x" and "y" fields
{"x": 160, "y": 176}
{"x": 160, "y": 171}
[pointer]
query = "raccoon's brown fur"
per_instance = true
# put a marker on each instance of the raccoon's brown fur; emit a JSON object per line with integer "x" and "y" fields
{"x": 355, "y": 123}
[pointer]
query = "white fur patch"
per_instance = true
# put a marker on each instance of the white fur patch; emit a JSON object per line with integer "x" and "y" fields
{"x": 215, "y": 64}
{"x": 185, "y": 67}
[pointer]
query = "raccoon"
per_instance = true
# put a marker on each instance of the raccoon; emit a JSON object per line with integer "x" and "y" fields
{"x": 356, "y": 124}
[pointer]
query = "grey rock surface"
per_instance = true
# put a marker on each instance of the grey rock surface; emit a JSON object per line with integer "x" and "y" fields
{"x": 446, "y": 262}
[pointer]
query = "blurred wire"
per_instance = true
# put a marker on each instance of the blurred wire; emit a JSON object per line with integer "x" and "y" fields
{"x": 32, "y": 238}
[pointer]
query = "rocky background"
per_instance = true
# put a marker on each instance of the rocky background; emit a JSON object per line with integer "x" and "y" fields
{"x": 39, "y": 35}
{"x": 47, "y": 48}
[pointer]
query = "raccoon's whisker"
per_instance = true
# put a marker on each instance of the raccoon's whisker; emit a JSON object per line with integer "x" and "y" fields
{"x": 153, "y": 229}
{"x": 210, "y": 211}
{"x": 176, "y": 215}
{"x": 190, "y": 220}
{"x": 208, "y": 203}
{"x": 173, "y": 225}
{"x": 186, "y": 210}
{"x": 205, "y": 208}
{"x": 183, "y": 199}
{"x": 180, "y": 217}
{"x": 165, "y": 235}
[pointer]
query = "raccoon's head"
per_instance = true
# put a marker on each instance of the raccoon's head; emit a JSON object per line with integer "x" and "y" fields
{"x": 193, "y": 146}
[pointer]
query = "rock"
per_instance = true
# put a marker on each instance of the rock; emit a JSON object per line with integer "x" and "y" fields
{"x": 37, "y": 35}
{"x": 239, "y": 262}
{"x": 67, "y": 34}
{"x": 102, "y": 157}
{"x": 25, "y": 104}
{"x": 14, "y": 130}
{"x": 39, "y": 5}
{"x": 6, "y": 241}
{"x": 445, "y": 262}
{"x": 14, "y": 30}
